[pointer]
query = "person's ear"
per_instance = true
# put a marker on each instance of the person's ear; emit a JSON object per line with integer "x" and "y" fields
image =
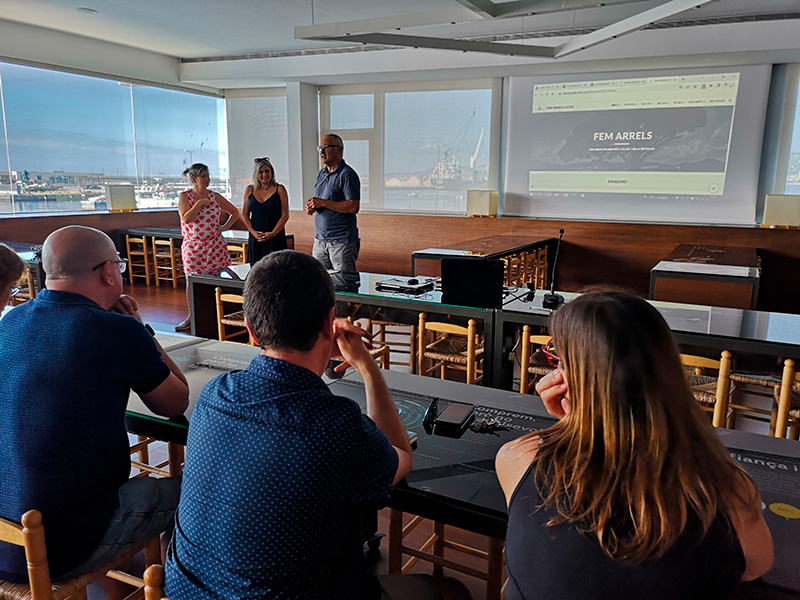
{"x": 107, "y": 274}
{"x": 250, "y": 331}
{"x": 327, "y": 327}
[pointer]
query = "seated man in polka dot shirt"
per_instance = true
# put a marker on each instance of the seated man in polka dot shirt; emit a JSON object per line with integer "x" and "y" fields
{"x": 278, "y": 469}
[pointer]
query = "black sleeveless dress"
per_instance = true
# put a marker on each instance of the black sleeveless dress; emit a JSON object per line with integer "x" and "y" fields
{"x": 561, "y": 563}
{"x": 264, "y": 216}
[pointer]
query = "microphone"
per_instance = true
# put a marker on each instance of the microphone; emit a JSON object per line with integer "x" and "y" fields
{"x": 553, "y": 300}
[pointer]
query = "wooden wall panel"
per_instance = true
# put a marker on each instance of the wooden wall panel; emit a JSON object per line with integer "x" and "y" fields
{"x": 592, "y": 253}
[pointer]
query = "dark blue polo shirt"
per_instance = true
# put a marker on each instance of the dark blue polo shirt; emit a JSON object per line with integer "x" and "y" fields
{"x": 339, "y": 185}
{"x": 278, "y": 470}
{"x": 66, "y": 370}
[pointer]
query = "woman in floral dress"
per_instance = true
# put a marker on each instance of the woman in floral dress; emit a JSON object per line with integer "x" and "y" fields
{"x": 204, "y": 251}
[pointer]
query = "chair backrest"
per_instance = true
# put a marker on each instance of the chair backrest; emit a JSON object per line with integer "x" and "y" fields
{"x": 723, "y": 368}
{"x": 154, "y": 583}
{"x": 30, "y": 535}
{"x": 525, "y": 358}
{"x": 222, "y": 299}
{"x": 447, "y": 329}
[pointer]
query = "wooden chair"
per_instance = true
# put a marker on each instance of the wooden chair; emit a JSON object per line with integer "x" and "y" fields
{"x": 238, "y": 253}
{"x": 381, "y": 353}
{"x": 231, "y": 319}
{"x": 30, "y": 535}
{"x": 167, "y": 262}
{"x": 138, "y": 258}
{"x": 713, "y": 392}
{"x": 28, "y": 291}
{"x": 433, "y": 551}
{"x": 785, "y": 393}
{"x": 453, "y": 347}
{"x": 403, "y": 340}
{"x": 540, "y": 269}
{"x": 536, "y": 364}
{"x": 154, "y": 583}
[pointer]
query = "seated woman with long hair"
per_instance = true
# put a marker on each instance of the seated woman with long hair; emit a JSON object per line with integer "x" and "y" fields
{"x": 631, "y": 494}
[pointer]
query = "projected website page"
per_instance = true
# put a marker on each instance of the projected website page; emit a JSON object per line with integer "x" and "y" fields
{"x": 648, "y": 135}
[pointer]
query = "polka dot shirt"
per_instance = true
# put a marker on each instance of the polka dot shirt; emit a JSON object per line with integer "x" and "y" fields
{"x": 278, "y": 471}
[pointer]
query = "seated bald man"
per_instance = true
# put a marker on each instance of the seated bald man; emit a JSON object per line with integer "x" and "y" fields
{"x": 68, "y": 361}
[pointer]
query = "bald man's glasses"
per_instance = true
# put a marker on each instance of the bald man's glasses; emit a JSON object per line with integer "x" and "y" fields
{"x": 122, "y": 263}
{"x": 326, "y": 146}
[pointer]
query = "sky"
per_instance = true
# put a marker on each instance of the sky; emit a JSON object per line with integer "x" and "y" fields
{"x": 61, "y": 121}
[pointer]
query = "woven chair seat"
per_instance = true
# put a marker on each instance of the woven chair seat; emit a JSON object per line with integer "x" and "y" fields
{"x": 539, "y": 365}
{"x": 63, "y": 589}
{"x": 703, "y": 388}
{"x": 453, "y": 350}
{"x": 235, "y": 318}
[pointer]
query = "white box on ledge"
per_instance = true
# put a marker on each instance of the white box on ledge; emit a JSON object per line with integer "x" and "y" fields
{"x": 482, "y": 203}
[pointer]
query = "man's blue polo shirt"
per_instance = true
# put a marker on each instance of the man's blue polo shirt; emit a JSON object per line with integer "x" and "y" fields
{"x": 339, "y": 185}
{"x": 278, "y": 470}
{"x": 66, "y": 370}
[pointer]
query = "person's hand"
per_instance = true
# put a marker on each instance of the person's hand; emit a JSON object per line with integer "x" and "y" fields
{"x": 554, "y": 393}
{"x": 314, "y": 204}
{"x": 350, "y": 345}
{"x": 127, "y": 305}
{"x": 202, "y": 202}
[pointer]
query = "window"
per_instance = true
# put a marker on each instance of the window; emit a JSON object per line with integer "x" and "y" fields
{"x": 793, "y": 170}
{"x": 65, "y": 136}
{"x": 425, "y": 145}
{"x": 257, "y": 127}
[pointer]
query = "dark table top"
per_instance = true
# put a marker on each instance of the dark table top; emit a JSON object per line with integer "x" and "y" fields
{"x": 453, "y": 480}
{"x": 752, "y": 331}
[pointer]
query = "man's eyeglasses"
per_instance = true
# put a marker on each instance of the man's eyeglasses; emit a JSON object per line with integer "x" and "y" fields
{"x": 550, "y": 354}
{"x": 265, "y": 159}
{"x": 122, "y": 263}
{"x": 326, "y": 146}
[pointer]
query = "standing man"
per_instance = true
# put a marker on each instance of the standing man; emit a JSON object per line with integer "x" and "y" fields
{"x": 337, "y": 198}
{"x": 279, "y": 469}
{"x": 68, "y": 361}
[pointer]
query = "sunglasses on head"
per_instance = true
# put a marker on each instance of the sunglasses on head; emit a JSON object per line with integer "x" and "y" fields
{"x": 265, "y": 159}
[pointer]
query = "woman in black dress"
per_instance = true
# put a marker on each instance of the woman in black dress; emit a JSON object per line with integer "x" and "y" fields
{"x": 631, "y": 494}
{"x": 265, "y": 212}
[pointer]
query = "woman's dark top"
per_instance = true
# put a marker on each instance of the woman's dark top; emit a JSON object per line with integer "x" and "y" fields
{"x": 264, "y": 216}
{"x": 560, "y": 563}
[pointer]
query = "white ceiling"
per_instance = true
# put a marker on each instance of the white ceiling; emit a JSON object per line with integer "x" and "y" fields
{"x": 226, "y": 44}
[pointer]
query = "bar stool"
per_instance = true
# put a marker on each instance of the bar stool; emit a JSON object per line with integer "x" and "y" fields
{"x": 238, "y": 253}
{"x": 138, "y": 258}
{"x": 167, "y": 262}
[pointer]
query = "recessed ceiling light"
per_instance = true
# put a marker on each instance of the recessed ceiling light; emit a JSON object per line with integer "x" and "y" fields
{"x": 86, "y": 10}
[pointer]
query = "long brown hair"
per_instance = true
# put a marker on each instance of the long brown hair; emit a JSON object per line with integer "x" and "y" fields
{"x": 635, "y": 458}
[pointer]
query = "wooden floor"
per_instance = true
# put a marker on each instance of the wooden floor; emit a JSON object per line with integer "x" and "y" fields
{"x": 162, "y": 307}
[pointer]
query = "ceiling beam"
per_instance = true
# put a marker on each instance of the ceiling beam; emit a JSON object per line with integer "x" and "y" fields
{"x": 372, "y": 31}
{"x": 615, "y": 30}
{"x": 414, "y": 41}
{"x": 331, "y": 30}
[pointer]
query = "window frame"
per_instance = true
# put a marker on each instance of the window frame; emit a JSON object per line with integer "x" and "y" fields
{"x": 375, "y": 136}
